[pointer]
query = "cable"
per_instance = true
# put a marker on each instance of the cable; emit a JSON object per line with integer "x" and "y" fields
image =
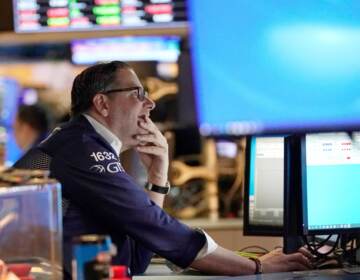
{"x": 262, "y": 249}
{"x": 324, "y": 242}
{"x": 314, "y": 246}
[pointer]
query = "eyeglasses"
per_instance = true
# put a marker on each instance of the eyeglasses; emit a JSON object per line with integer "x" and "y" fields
{"x": 141, "y": 92}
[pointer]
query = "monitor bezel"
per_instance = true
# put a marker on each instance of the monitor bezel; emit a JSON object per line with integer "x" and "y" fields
{"x": 293, "y": 238}
{"x": 304, "y": 227}
{"x": 248, "y": 228}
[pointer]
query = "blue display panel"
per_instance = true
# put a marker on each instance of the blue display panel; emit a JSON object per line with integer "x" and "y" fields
{"x": 263, "y": 66}
{"x": 9, "y": 97}
{"x": 130, "y": 48}
{"x": 331, "y": 176}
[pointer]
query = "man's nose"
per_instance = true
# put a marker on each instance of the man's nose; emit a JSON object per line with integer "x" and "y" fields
{"x": 149, "y": 103}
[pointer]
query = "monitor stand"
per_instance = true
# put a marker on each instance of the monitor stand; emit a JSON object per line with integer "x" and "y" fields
{"x": 292, "y": 195}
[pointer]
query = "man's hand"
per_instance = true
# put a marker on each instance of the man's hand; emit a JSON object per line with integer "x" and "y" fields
{"x": 153, "y": 151}
{"x": 277, "y": 261}
{"x": 5, "y": 274}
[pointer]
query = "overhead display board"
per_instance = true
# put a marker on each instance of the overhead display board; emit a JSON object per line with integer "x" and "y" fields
{"x": 77, "y": 15}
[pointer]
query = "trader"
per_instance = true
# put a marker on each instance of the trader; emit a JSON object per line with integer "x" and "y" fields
{"x": 110, "y": 114}
{"x": 31, "y": 125}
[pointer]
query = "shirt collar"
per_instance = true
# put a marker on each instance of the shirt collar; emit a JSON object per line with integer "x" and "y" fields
{"x": 110, "y": 137}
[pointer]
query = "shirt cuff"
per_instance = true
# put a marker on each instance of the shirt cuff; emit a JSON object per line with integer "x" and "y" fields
{"x": 209, "y": 247}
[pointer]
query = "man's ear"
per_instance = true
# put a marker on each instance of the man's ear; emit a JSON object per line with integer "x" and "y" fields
{"x": 101, "y": 104}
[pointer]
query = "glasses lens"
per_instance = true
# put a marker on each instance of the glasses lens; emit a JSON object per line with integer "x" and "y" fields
{"x": 142, "y": 93}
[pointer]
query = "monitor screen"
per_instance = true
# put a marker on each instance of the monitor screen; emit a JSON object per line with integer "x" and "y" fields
{"x": 330, "y": 183}
{"x": 9, "y": 97}
{"x": 143, "y": 48}
{"x": 270, "y": 66}
{"x": 60, "y": 15}
{"x": 10, "y": 92}
{"x": 264, "y": 186}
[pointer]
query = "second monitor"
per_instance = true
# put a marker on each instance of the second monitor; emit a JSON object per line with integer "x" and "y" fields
{"x": 264, "y": 186}
{"x": 330, "y": 183}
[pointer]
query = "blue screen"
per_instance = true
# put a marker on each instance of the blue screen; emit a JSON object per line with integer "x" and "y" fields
{"x": 9, "y": 98}
{"x": 9, "y": 95}
{"x": 264, "y": 66}
{"x": 331, "y": 187}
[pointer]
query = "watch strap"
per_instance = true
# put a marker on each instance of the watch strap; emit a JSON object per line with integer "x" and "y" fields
{"x": 158, "y": 189}
{"x": 258, "y": 265}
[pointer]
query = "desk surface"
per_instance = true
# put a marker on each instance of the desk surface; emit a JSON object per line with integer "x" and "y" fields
{"x": 236, "y": 223}
{"x": 161, "y": 272}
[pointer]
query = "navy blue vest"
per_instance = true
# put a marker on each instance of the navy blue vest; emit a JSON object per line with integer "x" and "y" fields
{"x": 104, "y": 199}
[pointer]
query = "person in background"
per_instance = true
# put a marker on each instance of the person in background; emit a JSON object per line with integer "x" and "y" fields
{"x": 31, "y": 126}
{"x": 110, "y": 114}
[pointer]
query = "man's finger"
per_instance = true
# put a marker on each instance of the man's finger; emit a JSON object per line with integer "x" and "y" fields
{"x": 306, "y": 253}
{"x": 297, "y": 266}
{"x": 149, "y": 125}
{"x": 300, "y": 258}
{"x": 153, "y": 139}
{"x": 152, "y": 150}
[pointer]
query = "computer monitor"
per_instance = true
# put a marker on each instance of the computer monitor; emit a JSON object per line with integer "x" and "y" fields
{"x": 9, "y": 95}
{"x": 264, "y": 186}
{"x": 128, "y": 48}
{"x": 55, "y": 16}
{"x": 330, "y": 183}
{"x": 10, "y": 91}
{"x": 275, "y": 66}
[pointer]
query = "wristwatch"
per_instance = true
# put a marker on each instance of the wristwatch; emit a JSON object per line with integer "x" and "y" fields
{"x": 158, "y": 189}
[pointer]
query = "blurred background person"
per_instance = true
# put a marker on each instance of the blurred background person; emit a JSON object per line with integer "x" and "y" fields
{"x": 31, "y": 126}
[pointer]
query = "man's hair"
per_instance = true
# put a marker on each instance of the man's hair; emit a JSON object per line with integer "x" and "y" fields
{"x": 36, "y": 116}
{"x": 91, "y": 81}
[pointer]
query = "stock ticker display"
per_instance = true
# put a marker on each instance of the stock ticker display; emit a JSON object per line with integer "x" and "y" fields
{"x": 75, "y": 15}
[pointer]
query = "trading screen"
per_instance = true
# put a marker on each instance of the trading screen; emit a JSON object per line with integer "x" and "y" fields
{"x": 71, "y": 15}
{"x": 331, "y": 187}
{"x": 130, "y": 48}
{"x": 275, "y": 66}
{"x": 266, "y": 179}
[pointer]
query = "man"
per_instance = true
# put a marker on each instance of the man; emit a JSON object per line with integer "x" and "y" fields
{"x": 110, "y": 112}
{"x": 31, "y": 125}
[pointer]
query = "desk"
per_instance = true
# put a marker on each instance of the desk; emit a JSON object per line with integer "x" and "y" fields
{"x": 161, "y": 272}
{"x": 228, "y": 233}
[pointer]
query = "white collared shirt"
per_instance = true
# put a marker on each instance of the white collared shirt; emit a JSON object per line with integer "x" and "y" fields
{"x": 110, "y": 137}
{"x": 210, "y": 245}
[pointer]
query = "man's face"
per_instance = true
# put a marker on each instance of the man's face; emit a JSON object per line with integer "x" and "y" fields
{"x": 19, "y": 133}
{"x": 125, "y": 108}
